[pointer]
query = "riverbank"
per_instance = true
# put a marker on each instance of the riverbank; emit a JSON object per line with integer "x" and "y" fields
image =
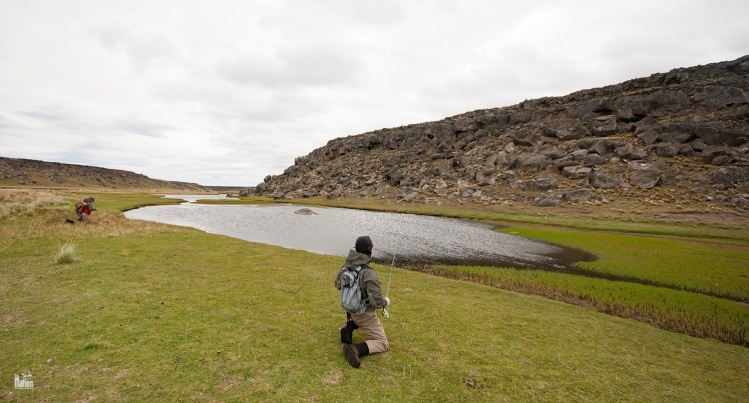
{"x": 153, "y": 312}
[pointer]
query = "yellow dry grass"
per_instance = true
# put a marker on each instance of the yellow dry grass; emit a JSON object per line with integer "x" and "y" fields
{"x": 25, "y": 201}
{"x": 39, "y": 213}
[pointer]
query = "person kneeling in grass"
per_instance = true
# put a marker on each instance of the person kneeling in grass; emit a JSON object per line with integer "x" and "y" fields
{"x": 86, "y": 209}
{"x": 371, "y": 291}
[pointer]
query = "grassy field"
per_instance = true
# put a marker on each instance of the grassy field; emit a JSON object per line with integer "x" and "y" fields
{"x": 679, "y": 275}
{"x": 139, "y": 311}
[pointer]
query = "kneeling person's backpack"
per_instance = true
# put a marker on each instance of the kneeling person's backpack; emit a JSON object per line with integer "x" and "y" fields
{"x": 351, "y": 300}
{"x": 79, "y": 207}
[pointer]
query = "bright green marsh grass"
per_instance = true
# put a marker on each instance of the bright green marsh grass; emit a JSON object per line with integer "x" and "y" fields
{"x": 679, "y": 311}
{"x": 709, "y": 266}
{"x": 125, "y": 201}
{"x": 688, "y": 272}
{"x": 149, "y": 312}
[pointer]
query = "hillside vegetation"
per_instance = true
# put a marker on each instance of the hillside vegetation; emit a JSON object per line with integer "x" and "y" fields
{"x": 26, "y": 173}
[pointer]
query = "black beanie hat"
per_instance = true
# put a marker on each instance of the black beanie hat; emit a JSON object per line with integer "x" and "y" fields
{"x": 364, "y": 245}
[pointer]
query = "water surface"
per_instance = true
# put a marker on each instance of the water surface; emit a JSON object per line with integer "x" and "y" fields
{"x": 412, "y": 238}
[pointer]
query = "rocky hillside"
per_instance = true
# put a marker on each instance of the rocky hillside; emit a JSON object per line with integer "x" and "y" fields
{"x": 678, "y": 140}
{"x": 32, "y": 173}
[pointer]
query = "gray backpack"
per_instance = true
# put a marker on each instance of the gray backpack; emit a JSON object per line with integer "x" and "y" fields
{"x": 351, "y": 300}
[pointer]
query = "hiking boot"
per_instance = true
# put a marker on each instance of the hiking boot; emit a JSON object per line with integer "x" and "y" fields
{"x": 347, "y": 331}
{"x": 69, "y": 221}
{"x": 346, "y": 335}
{"x": 352, "y": 355}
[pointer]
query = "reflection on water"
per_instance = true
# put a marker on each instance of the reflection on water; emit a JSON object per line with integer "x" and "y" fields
{"x": 332, "y": 231}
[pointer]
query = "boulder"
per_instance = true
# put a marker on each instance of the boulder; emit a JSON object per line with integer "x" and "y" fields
{"x": 602, "y": 147}
{"x": 716, "y": 134}
{"x": 603, "y": 180}
{"x": 647, "y": 178}
{"x": 741, "y": 200}
{"x": 648, "y": 124}
{"x": 667, "y": 150}
{"x": 532, "y": 159}
{"x": 628, "y": 151}
{"x": 731, "y": 177}
{"x": 526, "y": 137}
{"x": 594, "y": 159}
{"x": 485, "y": 178}
{"x": 710, "y": 154}
{"x": 579, "y": 155}
{"x": 675, "y": 137}
{"x": 685, "y": 149}
{"x": 578, "y": 195}
{"x": 604, "y": 125}
{"x": 407, "y": 194}
{"x": 714, "y": 97}
{"x": 639, "y": 166}
{"x": 723, "y": 160}
{"x": 564, "y": 129}
{"x": 649, "y": 137}
{"x": 543, "y": 184}
{"x": 395, "y": 176}
{"x": 505, "y": 160}
{"x": 666, "y": 102}
{"x": 576, "y": 172}
{"x": 520, "y": 117}
{"x": 551, "y": 200}
{"x": 596, "y": 106}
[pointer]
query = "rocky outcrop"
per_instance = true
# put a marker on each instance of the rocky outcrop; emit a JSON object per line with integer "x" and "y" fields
{"x": 24, "y": 172}
{"x": 685, "y": 130}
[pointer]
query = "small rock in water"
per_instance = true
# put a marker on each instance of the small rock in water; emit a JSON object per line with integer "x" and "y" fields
{"x": 305, "y": 211}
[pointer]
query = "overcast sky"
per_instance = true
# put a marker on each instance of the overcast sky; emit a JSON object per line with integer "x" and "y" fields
{"x": 225, "y": 92}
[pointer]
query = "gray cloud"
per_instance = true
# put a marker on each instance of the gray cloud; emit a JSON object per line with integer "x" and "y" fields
{"x": 59, "y": 119}
{"x": 142, "y": 51}
{"x": 229, "y": 92}
{"x": 306, "y": 66}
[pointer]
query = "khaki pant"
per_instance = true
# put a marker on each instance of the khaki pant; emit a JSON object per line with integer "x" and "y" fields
{"x": 371, "y": 326}
{"x": 83, "y": 217}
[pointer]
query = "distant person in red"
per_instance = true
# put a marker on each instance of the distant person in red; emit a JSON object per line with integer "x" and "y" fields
{"x": 85, "y": 209}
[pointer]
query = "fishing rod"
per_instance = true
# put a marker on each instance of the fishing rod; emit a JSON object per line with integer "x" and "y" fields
{"x": 385, "y": 313}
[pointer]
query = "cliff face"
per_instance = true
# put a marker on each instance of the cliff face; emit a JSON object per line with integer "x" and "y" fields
{"x": 680, "y": 137}
{"x": 23, "y": 172}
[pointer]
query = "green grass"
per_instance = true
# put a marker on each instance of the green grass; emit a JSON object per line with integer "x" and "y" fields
{"x": 124, "y": 201}
{"x": 66, "y": 255}
{"x": 150, "y": 312}
{"x": 707, "y": 266}
{"x": 679, "y": 311}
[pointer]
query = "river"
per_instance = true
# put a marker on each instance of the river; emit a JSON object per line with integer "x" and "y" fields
{"x": 332, "y": 231}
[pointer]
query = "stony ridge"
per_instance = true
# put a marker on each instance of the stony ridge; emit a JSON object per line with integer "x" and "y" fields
{"x": 679, "y": 139}
{"x": 33, "y": 173}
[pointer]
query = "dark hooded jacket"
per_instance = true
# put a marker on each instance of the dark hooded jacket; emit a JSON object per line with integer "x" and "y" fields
{"x": 369, "y": 281}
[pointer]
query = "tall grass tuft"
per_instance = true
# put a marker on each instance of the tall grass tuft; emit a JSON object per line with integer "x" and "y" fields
{"x": 66, "y": 255}
{"x": 15, "y": 202}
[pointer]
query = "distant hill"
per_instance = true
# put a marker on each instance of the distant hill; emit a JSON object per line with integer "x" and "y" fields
{"x": 675, "y": 142}
{"x": 32, "y": 173}
{"x": 227, "y": 189}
